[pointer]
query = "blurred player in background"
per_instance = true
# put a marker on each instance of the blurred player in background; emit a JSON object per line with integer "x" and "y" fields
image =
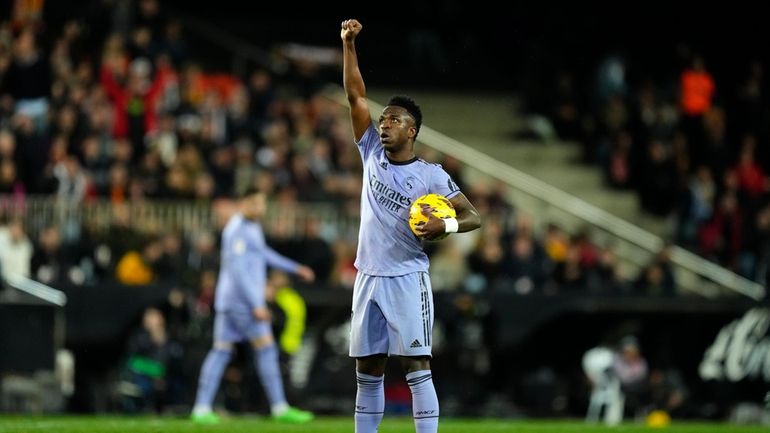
{"x": 392, "y": 299}
{"x": 242, "y": 314}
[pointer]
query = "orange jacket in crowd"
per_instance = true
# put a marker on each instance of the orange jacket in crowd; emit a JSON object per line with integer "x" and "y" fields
{"x": 697, "y": 90}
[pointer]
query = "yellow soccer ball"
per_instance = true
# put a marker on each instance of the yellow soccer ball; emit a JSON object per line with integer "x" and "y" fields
{"x": 442, "y": 208}
{"x": 658, "y": 419}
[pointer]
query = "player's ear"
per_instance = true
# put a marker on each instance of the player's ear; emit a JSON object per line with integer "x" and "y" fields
{"x": 412, "y": 132}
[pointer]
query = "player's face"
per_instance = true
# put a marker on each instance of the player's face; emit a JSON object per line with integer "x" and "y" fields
{"x": 254, "y": 206}
{"x": 396, "y": 128}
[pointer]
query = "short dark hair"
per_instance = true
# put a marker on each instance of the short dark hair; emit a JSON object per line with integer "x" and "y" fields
{"x": 411, "y": 107}
{"x": 249, "y": 191}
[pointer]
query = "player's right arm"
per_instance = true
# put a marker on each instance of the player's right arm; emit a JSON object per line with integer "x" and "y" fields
{"x": 352, "y": 79}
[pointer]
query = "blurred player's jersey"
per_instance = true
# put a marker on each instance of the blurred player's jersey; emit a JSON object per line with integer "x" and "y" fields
{"x": 386, "y": 245}
{"x": 243, "y": 271}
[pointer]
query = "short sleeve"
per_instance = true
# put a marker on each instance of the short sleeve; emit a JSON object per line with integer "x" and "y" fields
{"x": 441, "y": 183}
{"x": 369, "y": 142}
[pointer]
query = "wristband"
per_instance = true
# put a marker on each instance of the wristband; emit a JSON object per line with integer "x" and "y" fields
{"x": 451, "y": 225}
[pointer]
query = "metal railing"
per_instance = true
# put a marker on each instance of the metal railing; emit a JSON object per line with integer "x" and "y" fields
{"x": 36, "y": 289}
{"x": 159, "y": 216}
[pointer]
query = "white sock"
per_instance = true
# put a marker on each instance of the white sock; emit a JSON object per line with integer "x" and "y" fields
{"x": 424, "y": 401}
{"x": 370, "y": 403}
{"x": 279, "y": 408}
{"x": 201, "y": 409}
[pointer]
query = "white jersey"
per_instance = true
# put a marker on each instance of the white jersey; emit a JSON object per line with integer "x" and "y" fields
{"x": 386, "y": 244}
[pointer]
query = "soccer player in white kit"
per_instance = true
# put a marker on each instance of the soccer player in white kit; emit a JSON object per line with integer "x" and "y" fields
{"x": 392, "y": 298}
{"x": 242, "y": 314}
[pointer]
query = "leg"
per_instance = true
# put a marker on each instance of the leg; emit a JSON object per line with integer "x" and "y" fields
{"x": 267, "y": 365}
{"x": 226, "y": 332}
{"x": 210, "y": 376}
{"x": 370, "y": 397}
{"x": 369, "y": 345}
{"x": 425, "y": 408}
{"x": 408, "y": 307}
{"x": 268, "y": 368}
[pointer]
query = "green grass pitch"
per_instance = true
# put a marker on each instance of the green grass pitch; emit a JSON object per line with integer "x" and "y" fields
{"x": 78, "y": 424}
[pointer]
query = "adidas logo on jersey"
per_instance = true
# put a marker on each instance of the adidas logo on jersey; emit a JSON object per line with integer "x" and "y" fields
{"x": 416, "y": 343}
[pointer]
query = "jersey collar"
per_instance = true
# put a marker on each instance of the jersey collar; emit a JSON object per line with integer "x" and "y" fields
{"x": 407, "y": 162}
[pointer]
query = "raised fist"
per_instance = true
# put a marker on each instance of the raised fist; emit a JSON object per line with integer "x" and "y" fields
{"x": 350, "y": 29}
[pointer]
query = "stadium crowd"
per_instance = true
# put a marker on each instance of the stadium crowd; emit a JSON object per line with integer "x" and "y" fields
{"x": 125, "y": 114}
{"x": 691, "y": 146}
{"x": 120, "y": 110}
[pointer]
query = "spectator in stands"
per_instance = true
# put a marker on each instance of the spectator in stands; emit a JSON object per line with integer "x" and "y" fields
{"x": 755, "y": 258}
{"x": 203, "y": 255}
{"x": 617, "y": 164}
{"x": 9, "y": 181}
{"x": 344, "y": 272}
{"x": 565, "y": 107}
{"x": 95, "y": 163}
{"x": 751, "y": 99}
{"x": 716, "y": 150}
{"x": 721, "y": 238}
{"x": 50, "y": 262}
{"x": 448, "y": 268}
{"x": 651, "y": 281}
{"x": 696, "y": 207}
{"x": 611, "y": 77}
{"x": 526, "y": 266}
{"x": 657, "y": 192}
{"x": 486, "y": 261}
{"x": 28, "y": 79}
{"x": 134, "y": 104}
{"x": 173, "y": 43}
{"x": 204, "y": 302}
{"x": 289, "y": 311}
{"x": 261, "y": 96}
{"x": 631, "y": 368}
{"x": 152, "y": 370}
{"x": 570, "y": 275}
{"x": 72, "y": 182}
{"x": 136, "y": 268}
{"x": 607, "y": 276}
{"x": 668, "y": 391}
{"x": 315, "y": 251}
{"x": 170, "y": 267}
{"x": 752, "y": 182}
{"x": 657, "y": 279}
{"x": 15, "y": 249}
{"x": 7, "y": 146}
{"x": 697, "y": 89}
{"x": 555, "y": 243}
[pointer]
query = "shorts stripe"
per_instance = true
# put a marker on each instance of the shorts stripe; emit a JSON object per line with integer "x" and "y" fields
{"x": 430, "y": 311}
{"x": 424, "y": 297}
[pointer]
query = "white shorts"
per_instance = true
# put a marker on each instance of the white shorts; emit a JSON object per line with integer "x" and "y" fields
{"x": 391, "y": 315}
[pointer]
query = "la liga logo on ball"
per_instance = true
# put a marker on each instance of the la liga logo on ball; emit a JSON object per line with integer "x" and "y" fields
{"x": 440, "y": 207}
